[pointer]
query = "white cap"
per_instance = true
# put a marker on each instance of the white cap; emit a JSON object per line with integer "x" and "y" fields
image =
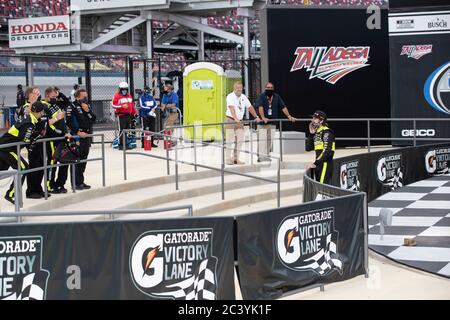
{"x": 123, "y": 85}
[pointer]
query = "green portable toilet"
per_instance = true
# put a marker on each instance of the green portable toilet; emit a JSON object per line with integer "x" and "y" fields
{"x": 205, "y": 91}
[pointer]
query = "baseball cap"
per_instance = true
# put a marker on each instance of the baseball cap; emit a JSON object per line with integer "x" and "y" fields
{"x": 38, "y": 106}
{"x": 319, "y": 114}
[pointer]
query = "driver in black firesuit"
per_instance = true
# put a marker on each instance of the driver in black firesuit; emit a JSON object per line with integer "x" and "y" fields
{"x": 323, "y": 143}
{"x": 24, "y": 130}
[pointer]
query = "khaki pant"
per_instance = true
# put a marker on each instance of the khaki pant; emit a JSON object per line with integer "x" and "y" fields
{"x": 171, "y": 119}
{"x": 266, "y": 133}
{"x": 234, "y": 135}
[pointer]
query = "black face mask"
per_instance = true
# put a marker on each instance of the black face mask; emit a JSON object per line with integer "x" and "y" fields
{"x": 269, "y": 92}
{"x": 165, "y": 92}
{"x": 53, "y": 100}
{"x": 84, "y": 100}
{"x": 124, "y": 92}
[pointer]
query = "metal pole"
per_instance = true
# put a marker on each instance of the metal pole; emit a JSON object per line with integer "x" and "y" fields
{"x": 124, "y": 148}
{"x": 281, "y": 141}
{"x": 176, "y": 165}
{"x": 366, "y": 240}
{"x": 44, "y": 157}
{"x": 103, "y": 161}
{"x": 222, "y": 173}
{"x": 72, "y": 168}
{"x": 16, "y": 200}
{"x": 278, "y": 184}
{"x": 166, "y": 143}
{"x": 415, "y": 133}
{"x": 195, "y": 148}
{"x": 18, "y": 192}
{"x": 368, "y": 135}
{"x": 251, "y": 142}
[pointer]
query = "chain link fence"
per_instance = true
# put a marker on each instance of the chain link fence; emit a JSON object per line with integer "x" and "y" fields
{"x": 101, "y": 75}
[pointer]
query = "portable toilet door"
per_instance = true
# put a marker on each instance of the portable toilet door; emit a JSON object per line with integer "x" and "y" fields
{"x": 204, "y": 96}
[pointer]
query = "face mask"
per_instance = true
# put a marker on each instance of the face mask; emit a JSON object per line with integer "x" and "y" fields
{"x": 124, "y": 92}
{"x": 165, "y": 92}
{"x": 84, "y": 100}
{"x": 147, "y": 91}
{"x": 53, "y": 100}
{"x": 269, "y": 92}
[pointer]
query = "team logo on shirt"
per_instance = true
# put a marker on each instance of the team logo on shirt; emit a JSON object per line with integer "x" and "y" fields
{"x": 330, "y": 64}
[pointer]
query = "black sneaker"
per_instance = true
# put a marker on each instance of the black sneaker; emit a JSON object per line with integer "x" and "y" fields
{"x": 43, "y": 194}
{"x": 62, "y": 190}
{"x": 55, "y": 191}
{"x": 34, "y": 196}
{"x": 154, "y": 146}
{"x": 85, "y": 186}
{"x": 10, "y": 199}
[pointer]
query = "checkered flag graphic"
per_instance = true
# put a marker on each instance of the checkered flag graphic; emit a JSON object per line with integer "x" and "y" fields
{"x": 33, "y": 287}
{"x": 324, "y": 260}
{"x": 397, "y": 180}
{"x": 201, "y": 286}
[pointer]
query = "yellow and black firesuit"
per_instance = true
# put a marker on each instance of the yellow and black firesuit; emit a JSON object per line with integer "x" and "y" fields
{"x": 324, "y": 146}
{"x": 22, "y": 131}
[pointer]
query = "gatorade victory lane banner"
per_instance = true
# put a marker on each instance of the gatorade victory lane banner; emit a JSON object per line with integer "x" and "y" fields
{"x": 161, "y": 259}
{"x": 328, "y": 59}
{"x": 377, "y": 173}
{"x": 285, "y": 249}
{"x": 420, "y": 71}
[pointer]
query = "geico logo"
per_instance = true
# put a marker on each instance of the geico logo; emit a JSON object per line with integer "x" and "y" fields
{"x": 419, "y": 133}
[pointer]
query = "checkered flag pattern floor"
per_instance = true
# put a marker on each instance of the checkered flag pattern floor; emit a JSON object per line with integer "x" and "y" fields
{"x": 201, "y": 286}
{"x": 420, "y": 211}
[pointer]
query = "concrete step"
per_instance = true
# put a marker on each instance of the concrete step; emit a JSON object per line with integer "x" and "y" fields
{"x": 165, "y": 195}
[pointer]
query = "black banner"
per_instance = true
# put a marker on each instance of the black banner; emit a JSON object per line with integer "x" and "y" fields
{"x": 420, "y": 72}
{"x": 377, "y": 173}
{"x": 329, "y": 59}
{"x": 285, "y": 249}
{"x": 153, "y": 259}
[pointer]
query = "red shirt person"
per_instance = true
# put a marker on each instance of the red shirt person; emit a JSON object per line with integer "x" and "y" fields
{"x": 124, "y": 108}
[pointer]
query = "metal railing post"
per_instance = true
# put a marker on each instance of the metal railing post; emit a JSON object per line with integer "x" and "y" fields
{"x": 415, "y": 133}
{"x": 281, "y": 141}
{"x": 368, "y": 135}
{"x": 124, "y": 149}
{"x": 44, "y": 157}
{"x": 366, "y": 240}
{"x": 195, "y": 148}
{"x": 278, "y": 184}
{"x": 18, "y": 191}
{"x": 103, "y": 161}
{"x": 251, "y": 142}
{"x": 222, "y": 171}
{"x": 176, "y": 165}
{"x": 190, "y": 211}
{"x": 16, "y": 200}
{"x": 72, "y": 169}
{"x": 167, "y": 145}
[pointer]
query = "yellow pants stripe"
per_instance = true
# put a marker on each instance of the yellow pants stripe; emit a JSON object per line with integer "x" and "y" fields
{"x": 22, "y": 166}
{"x": 52, "y": 148}
{"x": 324, "y": 169}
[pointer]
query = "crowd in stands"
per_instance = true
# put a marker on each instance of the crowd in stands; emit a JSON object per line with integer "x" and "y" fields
{"x": 13, "y": 9}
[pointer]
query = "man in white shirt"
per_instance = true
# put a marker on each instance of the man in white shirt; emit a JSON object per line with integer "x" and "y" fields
{"x": 236, "y": 105}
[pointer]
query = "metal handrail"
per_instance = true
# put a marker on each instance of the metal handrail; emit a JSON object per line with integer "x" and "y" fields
{"x": 111, "y": 213}
{"x": 18, "y": 145}
{"x": 222, "y": 170}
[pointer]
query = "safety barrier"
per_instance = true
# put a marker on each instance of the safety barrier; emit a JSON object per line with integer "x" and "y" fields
{"x": 18, "y": 146}
{"x": 195, "y": 164}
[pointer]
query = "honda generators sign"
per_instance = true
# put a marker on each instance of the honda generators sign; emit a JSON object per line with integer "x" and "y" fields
{"x": 38, "y": 32}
